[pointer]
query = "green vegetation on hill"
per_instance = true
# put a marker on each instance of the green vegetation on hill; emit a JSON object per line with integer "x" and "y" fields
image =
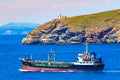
{"x": 89, "y": 21}
{"x": 103, "y": 19}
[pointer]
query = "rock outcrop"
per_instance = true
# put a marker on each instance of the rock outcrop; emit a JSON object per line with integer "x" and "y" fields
{"x": 59, "y": 31}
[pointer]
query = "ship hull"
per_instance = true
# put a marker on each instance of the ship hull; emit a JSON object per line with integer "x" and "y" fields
{"x": 43, "y": 69}
{"x": 65, "y": 68}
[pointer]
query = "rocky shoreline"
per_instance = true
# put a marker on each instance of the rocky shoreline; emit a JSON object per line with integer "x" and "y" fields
{"x": 57, "y": 34}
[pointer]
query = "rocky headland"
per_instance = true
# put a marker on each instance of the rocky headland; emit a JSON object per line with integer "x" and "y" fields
{"x": 101, "y": 27}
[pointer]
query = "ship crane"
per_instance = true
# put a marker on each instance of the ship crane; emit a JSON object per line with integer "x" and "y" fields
{"x": 51, "y": 59}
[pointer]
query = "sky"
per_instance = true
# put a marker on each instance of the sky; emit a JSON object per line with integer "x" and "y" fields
{"x": 41, "y": 11}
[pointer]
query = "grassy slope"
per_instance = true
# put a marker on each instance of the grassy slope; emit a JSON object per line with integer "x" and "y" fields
{"x": 89, "y": 21}
{"x": 105, "y": 19}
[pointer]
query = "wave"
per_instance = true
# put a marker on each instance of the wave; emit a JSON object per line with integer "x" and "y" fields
{"x": 105, "y": 71}
{"x": 112, "y": 71}
{"x": 25, "y": 70}
{"x": 43, "y": 71}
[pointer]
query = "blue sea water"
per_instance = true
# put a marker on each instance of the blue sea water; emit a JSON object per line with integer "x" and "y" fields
{"x": 11, "y": 50}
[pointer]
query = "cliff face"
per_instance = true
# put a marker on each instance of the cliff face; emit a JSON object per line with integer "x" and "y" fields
{"x": 96, "y": 28}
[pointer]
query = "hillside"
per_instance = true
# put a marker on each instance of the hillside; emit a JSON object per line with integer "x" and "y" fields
{"x": 103, "y": 27}
{"x": 17, "y": 28}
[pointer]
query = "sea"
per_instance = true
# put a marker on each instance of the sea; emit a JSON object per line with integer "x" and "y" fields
{"x": 11, "y": 50}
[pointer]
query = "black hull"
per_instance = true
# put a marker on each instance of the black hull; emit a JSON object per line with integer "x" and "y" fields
{"x": 88, "y": 67}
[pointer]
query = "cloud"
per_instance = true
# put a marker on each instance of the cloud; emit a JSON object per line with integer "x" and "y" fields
{"x": 23, "y": 10}
{"x": 16, "y": 5}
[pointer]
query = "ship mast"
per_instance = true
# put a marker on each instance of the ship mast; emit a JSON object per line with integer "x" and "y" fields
{"x": 48, "y": 56}
{"x": 86, "y": 43}
{"x": 54, "y": 56}
{"x": 86, "y": 48}
{"x": 31, "y": 56}
{"x": 85, "y": 34}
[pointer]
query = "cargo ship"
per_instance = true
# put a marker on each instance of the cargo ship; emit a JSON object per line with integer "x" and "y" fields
{"x": 85, "y": 62}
